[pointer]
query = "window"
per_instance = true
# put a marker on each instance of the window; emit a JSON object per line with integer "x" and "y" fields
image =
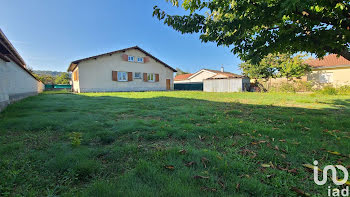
{"x": 151, "y": 77}
{"x": 326, "y": 77}
{"x": 122, "y": 76}
{"x": 137, "y": 75}
{"x": 140, "y": 59}
{"x": 130, "y": 58}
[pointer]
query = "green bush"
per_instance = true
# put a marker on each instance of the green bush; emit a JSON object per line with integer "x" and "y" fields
{"x": 75, "y": 138}
{"x": 328, "y": 90}
{"x": 282, "y": 87}
{"x": 290, "y": 86}
{"x": 286, "y": 87}
{"x": 303, "y": 86}
{"x": 344, "y": 90}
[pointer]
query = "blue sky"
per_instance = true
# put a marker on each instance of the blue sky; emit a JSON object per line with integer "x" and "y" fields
{"x": 49, "y": 34}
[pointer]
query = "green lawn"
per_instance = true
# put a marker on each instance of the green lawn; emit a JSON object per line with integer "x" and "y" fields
{"x": 171, "y": 143}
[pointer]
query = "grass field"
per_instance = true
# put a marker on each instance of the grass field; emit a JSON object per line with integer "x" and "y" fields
{"x": 171, "y": 144}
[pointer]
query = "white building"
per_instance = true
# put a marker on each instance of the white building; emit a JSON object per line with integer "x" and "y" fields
{"x": 201, "y": 75}
{"x": 226, "y": 84}
{"x": 16, "y": 82}
{"x": 130, "y": 69}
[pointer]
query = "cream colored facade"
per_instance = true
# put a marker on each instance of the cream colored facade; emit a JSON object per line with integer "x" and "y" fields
{"x": 95, "y": 75}
{"x": 201, "y": 75}
{"x": 336, "y": 75}
{"x": 319, "y": 77}
{"x": 198, "y": 77}
{"x": 16, "y": 83}
{"x": 75, "y": 83}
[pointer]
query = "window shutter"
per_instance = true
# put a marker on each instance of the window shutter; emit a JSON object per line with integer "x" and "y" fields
{"x": 75, "y": 76}
{"x": 145, "y": 77}
{"x": 129, "y": 76}
{"x": 157, "y": 77}
{"x": 125, "y": 57}
{"x": 145, "y": 59}
{"x": 114, "y": 76}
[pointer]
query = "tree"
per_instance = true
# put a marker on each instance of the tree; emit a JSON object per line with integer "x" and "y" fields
{"x": 46, "y": 79}
{"x": 263, "y": 70}
{"x": 291, "y": 66}
{"x": 180, "y": 72}
{"x": 257, "y": 28}
{"x": 276, "y": 65}
{"x": 30, "y": 69}
{"x": 62, "y": 79}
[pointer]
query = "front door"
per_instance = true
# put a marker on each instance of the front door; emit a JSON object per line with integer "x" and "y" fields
{"x": 168, "y": 84}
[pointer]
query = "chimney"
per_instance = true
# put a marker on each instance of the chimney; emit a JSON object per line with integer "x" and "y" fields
{"x": 222, "y": 69}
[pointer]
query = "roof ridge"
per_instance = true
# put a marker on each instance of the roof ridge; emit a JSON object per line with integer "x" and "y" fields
{"x": 76, "y": 62}
{"x": 18, "y": 56}
{"x": 219, "y": 71}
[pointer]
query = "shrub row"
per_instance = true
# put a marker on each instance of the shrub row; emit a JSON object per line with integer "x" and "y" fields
{"x": 301, "y": 86}
{"x": 330, "y": 90}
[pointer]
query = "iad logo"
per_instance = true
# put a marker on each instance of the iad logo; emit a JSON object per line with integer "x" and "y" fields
{"x": 334, "y": 174}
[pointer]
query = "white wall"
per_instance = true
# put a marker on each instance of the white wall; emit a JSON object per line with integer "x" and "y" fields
{"x": 183, "y": 81}
{"x": 4, "y": 97}
{"x": 198, "y": 78}
{"x": 223, "y": 85}
{"x": 201, "y": 76}
{"x": 15, "y": 83}
{"x": 95, "y": 75}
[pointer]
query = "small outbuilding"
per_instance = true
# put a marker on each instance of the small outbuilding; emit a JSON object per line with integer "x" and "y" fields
{"x": 219, "y": 83}
{"x": 195, "y": 81}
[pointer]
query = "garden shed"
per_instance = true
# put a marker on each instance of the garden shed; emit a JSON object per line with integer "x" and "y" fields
{"x": 226, "y": 84}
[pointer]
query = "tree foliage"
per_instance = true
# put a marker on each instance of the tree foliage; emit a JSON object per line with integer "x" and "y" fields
{"x": 62, "y": 79}
{"x": 291, "y": 66}
{"x": 278, "y": 65}
{"x": 256, "y": 28}
{"x": 46, "y": 79}
{"x": 180, "y": 72}
{"x": 257, "y": 71}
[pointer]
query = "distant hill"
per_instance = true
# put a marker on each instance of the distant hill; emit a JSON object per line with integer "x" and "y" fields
{"x": 47, "y": 72}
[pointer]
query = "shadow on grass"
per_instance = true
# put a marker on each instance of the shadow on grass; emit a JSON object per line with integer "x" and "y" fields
{"x": 128, "y": 144}
{"x": 340, "y": 104}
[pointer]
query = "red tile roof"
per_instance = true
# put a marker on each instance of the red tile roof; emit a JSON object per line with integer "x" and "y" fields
{"x": 182, "y": 77}
{"x": 328, "y": 61}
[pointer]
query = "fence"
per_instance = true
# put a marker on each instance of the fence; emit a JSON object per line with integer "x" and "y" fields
{"x": 57, "y": 86}
{"x": 226, "y": 85}
{"x": 188, "y": 86}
